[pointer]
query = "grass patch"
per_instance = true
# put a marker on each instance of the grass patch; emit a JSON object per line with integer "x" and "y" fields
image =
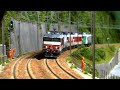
{"x": 1, "y": 60}
{"x": 6, "y": 61}
{"x": 72, "y": 65}
{"x": 102, "y": 55}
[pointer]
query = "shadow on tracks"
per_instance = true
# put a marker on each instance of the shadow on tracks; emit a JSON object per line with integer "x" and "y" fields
{"x": 50, "y": 57}
{"x": 39, "y": 55}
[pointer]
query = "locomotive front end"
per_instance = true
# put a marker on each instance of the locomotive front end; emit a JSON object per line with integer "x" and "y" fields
{"x": 51, "y": 50}
{"x": 51, "y": 46}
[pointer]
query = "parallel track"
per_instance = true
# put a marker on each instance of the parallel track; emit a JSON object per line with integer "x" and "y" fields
{"x": 23, "y": 68}
{"x": 66, "y": 70}
{"x": 50, "y": 69}
{"x": 28, "y": 70}
{"x": 17, "y": 63}
{"x": 58, "y": 67}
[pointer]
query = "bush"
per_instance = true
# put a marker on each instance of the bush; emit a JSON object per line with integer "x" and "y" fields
{"x": 87, "y": 53}
{"x": 83, "y": 51}
{"x": 76, "y": 54}
{"x": 89, "y": 69}
{"x": 97, "y": 57}
{"x": 73, "y": 66}
{"x": 7, "y": 61}
{"x": 101, "y": 53}
{"x": 112, "y": 48}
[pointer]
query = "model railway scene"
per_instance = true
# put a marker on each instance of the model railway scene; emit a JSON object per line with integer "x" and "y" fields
{"x": 60, "y": 45}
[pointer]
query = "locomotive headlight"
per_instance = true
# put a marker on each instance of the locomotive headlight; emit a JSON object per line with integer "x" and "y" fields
{"x": 46, "y": 46}
{"x": 57, "y": 47}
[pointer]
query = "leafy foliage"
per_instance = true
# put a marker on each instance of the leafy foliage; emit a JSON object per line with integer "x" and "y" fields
{"x": 83, "y": 17}
{"x": 112, "y": 48}
{"x": 100, "y": 54}
{"x": 89, "y": 69}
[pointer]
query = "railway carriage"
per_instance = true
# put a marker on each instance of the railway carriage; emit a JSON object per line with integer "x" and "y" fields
{"x": 86, "y": 39}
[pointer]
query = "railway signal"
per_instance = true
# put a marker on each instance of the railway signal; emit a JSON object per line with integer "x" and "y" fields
{"x": 11, "y": 25}
{"x": 10, "y": 29}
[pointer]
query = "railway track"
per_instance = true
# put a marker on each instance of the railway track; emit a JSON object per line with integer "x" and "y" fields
{"x": 57, "y": 70}
{"x": 32, "y": 68}
{"x": 66, "y": 68}
{"x": 50, "y": 69}
{"x": 21, "y": 69}
{"x": 17, "y": 69}
{"x": 40, "y": 70}
{"x": 14, "y": 67}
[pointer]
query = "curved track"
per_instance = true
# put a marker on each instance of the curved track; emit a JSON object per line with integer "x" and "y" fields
{"x": 32, "y": 68}
{"x": 21, "y": 69}
{"x": 56, "y": 69}
{"x": 67, "y": 69}
{"x": 40, "y": 70}
{"x": 17, "y": 69}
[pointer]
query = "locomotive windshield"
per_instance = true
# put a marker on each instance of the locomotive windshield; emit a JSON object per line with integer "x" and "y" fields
{"x": 52, "y": 39}
{"x": 56, "y": 39}
{"x": 47, "y": 39}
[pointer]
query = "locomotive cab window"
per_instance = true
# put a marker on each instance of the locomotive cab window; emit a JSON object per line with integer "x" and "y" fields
{"x": 56, "y": 39}
{"x": 52, "y": 39}
{"x": 47, "y": 39}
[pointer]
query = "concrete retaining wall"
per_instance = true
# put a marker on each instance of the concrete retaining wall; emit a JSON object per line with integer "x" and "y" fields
{"x": 104, "y": 69}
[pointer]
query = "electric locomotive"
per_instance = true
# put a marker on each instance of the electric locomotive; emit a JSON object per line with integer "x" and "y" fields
{"x": 52, "y": 44}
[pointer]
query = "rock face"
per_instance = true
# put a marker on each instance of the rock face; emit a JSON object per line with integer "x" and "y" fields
{"x": 116, "y": 70}
{"x": 104, "y": 69}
